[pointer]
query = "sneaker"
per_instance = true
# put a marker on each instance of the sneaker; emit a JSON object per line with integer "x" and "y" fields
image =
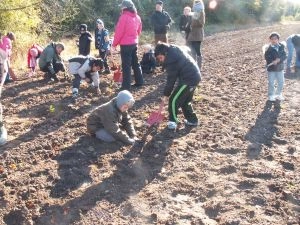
{"x": 186, "y": 122}
{"x": 272, "y": 98}
{"x": 75, "y": 93}
{"x": 172, "y": 125}
{"x": 280, "y": 97}
{"x": 136, "y": 85}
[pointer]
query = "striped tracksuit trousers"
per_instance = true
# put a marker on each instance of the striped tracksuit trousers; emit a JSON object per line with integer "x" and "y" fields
{"x": 182, "y": 98}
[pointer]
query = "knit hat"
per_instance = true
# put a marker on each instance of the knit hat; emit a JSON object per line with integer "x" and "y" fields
{"x": 198, "y": 7}
{"x": 159, "y": 3}
{"x": 127, "y": 4}
{"x": 99, "y": 21}
{"x": 34, "y": 52}
{"x": 124, "y": 97}
{"x": 83, "y": 27}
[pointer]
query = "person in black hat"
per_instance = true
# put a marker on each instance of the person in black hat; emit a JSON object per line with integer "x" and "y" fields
{"x": 85, "y": 40}
{"x": 161, "y": 21}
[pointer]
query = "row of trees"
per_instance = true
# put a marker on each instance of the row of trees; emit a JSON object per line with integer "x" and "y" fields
{"x": 56, "y": 17}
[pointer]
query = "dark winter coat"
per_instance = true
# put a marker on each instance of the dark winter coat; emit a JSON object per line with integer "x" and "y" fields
{"x": 85, "y": 40}
{"x": 185, "y": 23}
{"x": 148, "y": 62}
{"x": 271, "y": 54}
{"x": 181, "y": 67}
{"x": 161, "y": 22}
{"x": 109, "y": 117}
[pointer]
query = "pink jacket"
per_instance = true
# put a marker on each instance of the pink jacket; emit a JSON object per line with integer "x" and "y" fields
{"x": 6, "y": 45}
{"x": 128, "y": 29}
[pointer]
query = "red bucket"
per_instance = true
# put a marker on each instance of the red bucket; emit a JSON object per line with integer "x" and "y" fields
{"x": 118, "y": 76}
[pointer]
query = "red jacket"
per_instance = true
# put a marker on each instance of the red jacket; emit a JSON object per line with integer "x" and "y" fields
{"x": 31, "y": 59}
{"x": 128, "y": 29}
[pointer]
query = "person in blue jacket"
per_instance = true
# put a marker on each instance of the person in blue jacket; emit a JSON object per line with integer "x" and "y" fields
{"x": 102, "y": 43}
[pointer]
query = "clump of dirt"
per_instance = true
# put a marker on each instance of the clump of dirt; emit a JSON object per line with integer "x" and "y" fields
{"x": 240, "y": 166}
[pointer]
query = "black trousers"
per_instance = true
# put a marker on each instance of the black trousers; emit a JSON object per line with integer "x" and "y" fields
{"x": 58, "y": 66}
{"x": 182, "y": 98}
{"x": 103, "y": 56}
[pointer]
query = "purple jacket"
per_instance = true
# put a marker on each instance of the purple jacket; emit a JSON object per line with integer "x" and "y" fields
{"x": 128, "y": 29}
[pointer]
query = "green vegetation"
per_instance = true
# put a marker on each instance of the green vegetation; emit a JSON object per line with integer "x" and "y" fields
{"x": 44, "y": 20}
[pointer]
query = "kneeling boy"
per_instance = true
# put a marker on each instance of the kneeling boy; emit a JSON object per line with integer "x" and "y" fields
{"x": 110, "y": 122}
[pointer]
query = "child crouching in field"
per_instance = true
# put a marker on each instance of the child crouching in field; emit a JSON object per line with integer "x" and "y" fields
{"x": 110, "y": 122}
{"x": 275, "y": 56}
{"x": 34, "y": 53}
{"x": 85, "y": 68}
{"x": 148, "y": 62}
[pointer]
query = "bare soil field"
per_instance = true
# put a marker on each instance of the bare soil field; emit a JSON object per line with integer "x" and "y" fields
{"x": 240, "y": 166}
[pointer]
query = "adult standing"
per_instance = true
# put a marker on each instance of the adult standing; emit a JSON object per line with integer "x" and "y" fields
{"x": 185, "y": 22}
{"x": 293, "y": 43}
{"x": 161, "y": 21}
{"x": 196, "y": 34}
{"x": 127, "y": 32}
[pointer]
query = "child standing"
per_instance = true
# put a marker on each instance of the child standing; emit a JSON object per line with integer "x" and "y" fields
{"x": 85, "y": 40}
{"x": 33, "y": 54}
{"x": 275, "y": 56}
{"x": 102, "y": 43}
{"x": 148, "y": 62}
{"x": 179, "y": 66}
{"x": 110, "y": 122}
{"x": 86, "y": 68}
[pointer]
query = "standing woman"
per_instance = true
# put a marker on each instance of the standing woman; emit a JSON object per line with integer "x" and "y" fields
{"x": 196, "y": 33}
{"x": 127, "y": 32}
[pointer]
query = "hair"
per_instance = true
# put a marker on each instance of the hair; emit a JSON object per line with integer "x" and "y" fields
{"x": 60, "y": 45}
{"x": 11, "y": 36}
{"x": 274, "y": 34}
{"x": 97, "y": 62}
{"x": 147, "y": 46}
{"x": 187, "y": 7}
{"x": 131, "y": 9}
{"x": 161, "y": 48}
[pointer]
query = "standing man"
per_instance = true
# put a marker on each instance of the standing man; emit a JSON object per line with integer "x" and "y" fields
{"x": 161, "y": 21}
{"x": 50, "y": 61}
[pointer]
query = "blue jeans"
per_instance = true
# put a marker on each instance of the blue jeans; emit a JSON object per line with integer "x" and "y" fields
{"x": 273, "y": 77}
{"x": 291, "y": 48}
{"x": 130, "y": 59}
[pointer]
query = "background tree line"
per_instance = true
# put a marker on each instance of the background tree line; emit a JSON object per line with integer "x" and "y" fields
{"x": 56, "y": 17}
{"x": 44, "y": 20}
